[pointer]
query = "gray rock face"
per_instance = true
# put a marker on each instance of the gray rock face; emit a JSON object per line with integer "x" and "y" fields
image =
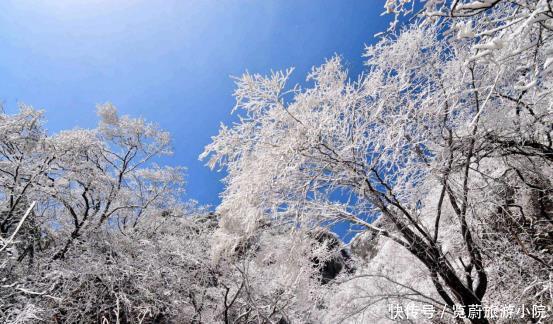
{"x": 364, "y": 246}
{"x": 339, "y": 262}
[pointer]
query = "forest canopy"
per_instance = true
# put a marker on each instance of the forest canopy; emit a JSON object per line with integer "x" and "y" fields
{"x": 438, "y": 157}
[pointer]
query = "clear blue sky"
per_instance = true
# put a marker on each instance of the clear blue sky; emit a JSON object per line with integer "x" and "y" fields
{"x": 168, "y": 61}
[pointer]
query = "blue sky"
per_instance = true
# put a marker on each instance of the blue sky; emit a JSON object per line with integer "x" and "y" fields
{"x": 168, "y": 61}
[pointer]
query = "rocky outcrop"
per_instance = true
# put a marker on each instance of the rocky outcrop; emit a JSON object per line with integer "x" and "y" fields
{"x": 340, "y": 260}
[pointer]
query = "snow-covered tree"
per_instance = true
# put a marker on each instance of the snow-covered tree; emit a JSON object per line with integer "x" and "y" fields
{"x": 86, "y": 183}
{"x": 105, "y": 176}
{"x": 470, "y": 116}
